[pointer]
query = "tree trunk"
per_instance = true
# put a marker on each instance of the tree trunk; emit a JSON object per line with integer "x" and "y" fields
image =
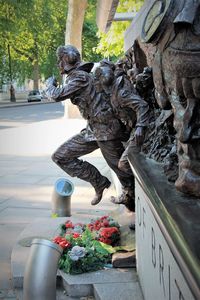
{"x": 12, "y": 94}
{"x": 74, "y": 23}
{"x": 36, "y": 75}
{"x": 73, "y": 36}
{"x": 12, "y": 90}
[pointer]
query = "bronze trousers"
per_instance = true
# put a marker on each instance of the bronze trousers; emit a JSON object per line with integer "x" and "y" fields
{"x": 67, "y": 157}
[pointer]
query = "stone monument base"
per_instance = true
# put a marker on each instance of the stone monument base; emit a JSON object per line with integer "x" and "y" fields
{"x": 167, "y": 235}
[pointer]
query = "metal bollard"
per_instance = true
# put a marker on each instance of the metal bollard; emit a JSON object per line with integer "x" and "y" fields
{"x": 40, "y": 271}
{"x": 61, "y": 197}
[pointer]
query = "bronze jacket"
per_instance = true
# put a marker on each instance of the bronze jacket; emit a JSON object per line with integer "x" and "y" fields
{"x": 129, "y": 107}
{"x": 80, "y": 89}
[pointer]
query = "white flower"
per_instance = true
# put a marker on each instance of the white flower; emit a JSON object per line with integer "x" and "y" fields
{"x": 77, "y": 252}
{"x": 78, "y": 229}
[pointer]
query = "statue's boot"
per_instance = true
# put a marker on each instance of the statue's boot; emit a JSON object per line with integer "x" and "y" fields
{"x": 99, "y": 191}
{"x": 126, "y": 198}
{"x": 92, "y": 175}
{"x": 84, "y": 170}
{"x": 129, "y": 202}
{"x": 188, "y": 182}
{"x": 121, "y": 199}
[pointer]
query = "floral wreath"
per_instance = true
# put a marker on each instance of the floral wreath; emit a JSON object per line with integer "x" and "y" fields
{"x": 88, "y": 247}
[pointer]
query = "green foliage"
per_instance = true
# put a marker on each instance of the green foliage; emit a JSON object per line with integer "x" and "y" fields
{"x": 33, "y": 29}
{"x": 83, "y": 249}
{"x": 89, "y": 263}
{"x": 96, "y": 255}
{"x": 90, "y": 38}
{"x": 112, "y": 43}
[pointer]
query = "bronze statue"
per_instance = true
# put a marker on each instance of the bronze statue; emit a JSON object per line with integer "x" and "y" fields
{"x": 104, "y": 130}
{"x": 130, "y": 109}
{"x": 174, "y": 28}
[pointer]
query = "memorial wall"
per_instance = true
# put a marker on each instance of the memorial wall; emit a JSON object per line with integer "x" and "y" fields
{"x": 163, "y": 43}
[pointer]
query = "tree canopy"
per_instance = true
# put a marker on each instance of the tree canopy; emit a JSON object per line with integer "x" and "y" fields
{"x": 90, "y": 38}
{"x": 31, "y": 31}
{"x": 111, "y": 44}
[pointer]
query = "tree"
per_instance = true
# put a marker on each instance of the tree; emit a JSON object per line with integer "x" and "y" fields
{"x": 111, "y": 43}
{"x": 74, "y": 23}
{"x": 89, "y": 36}
{"x": 81, "y": 30}
{"x": 9, "y": 13}
{"x": 32, "y": 29}
{"x": 39, "y": 34}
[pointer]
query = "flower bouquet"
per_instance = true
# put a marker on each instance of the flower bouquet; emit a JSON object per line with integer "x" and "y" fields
{"x": 87, "y": 247}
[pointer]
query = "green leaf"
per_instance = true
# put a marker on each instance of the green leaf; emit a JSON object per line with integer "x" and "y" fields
{"x": 54, "y": 216}
{"x": 111, "y": 44}
{"x": 124, "y": 248}
{"x": 109, "y": 249}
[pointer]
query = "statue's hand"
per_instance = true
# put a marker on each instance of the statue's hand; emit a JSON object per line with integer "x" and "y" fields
{"x": 51, "y": 81}
{"x": 139, "y": 135}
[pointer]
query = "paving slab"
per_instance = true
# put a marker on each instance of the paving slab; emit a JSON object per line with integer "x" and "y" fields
{"x": 7, "y": 294}
{"x": 25, "y": 203}
{"x": 8, "y": 236}
{"x": 3, "y": 199}
{"x": 13, "y": 215}
{"x": 83, "y": 284}
{"x": 26, "y": 185}
{"x": 15, "y": 179}
{"x": 75, "y": 286}
{"x": 118, "y": 291}
{"x": 60, "y": 295}
{"x": 40, "y": 228}
{"x": 22, "y": 192}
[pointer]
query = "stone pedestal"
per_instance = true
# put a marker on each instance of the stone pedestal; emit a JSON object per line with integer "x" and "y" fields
{"x": 167, "y": 235}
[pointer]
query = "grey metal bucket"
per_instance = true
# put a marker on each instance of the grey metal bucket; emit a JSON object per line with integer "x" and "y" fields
{"x": 61, "y": 197}
{"x": 40, "y": 271}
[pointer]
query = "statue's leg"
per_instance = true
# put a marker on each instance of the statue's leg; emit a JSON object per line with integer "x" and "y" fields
{"x": 112, "y": 152}
{"x": 123, "y": 163}
{"x": 188, "y": 133}
{"x": 67, "y": 158}
{"x": 189, "y": 168}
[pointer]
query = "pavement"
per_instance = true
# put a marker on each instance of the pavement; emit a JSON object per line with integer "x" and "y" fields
{"x": 6, "y": 103}
{"x": 27, "y": 182}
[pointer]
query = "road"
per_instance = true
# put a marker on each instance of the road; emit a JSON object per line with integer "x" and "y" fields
{"x": 19, "y": 115}
{"x": 35, "y": 129}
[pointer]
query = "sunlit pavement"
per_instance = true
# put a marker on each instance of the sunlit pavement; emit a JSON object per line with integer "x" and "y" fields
{"x": 27, "y": 181}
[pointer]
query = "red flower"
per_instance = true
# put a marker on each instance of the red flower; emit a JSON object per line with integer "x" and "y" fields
{"x": 105, "y": 223}
{"x": 99, "y": 223}
{"x": 109, "y": 235}
{"x": 105, "y": 241}
{"x": 76, "y": 235}
{"x": 109, "y": 231}
{"x": 104, "y": 217}
{"x": 57, "y": 239}
{"x": 69, "y": 224}
{"x": 62, "y": 242}
{"x": 90, "y": 226}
